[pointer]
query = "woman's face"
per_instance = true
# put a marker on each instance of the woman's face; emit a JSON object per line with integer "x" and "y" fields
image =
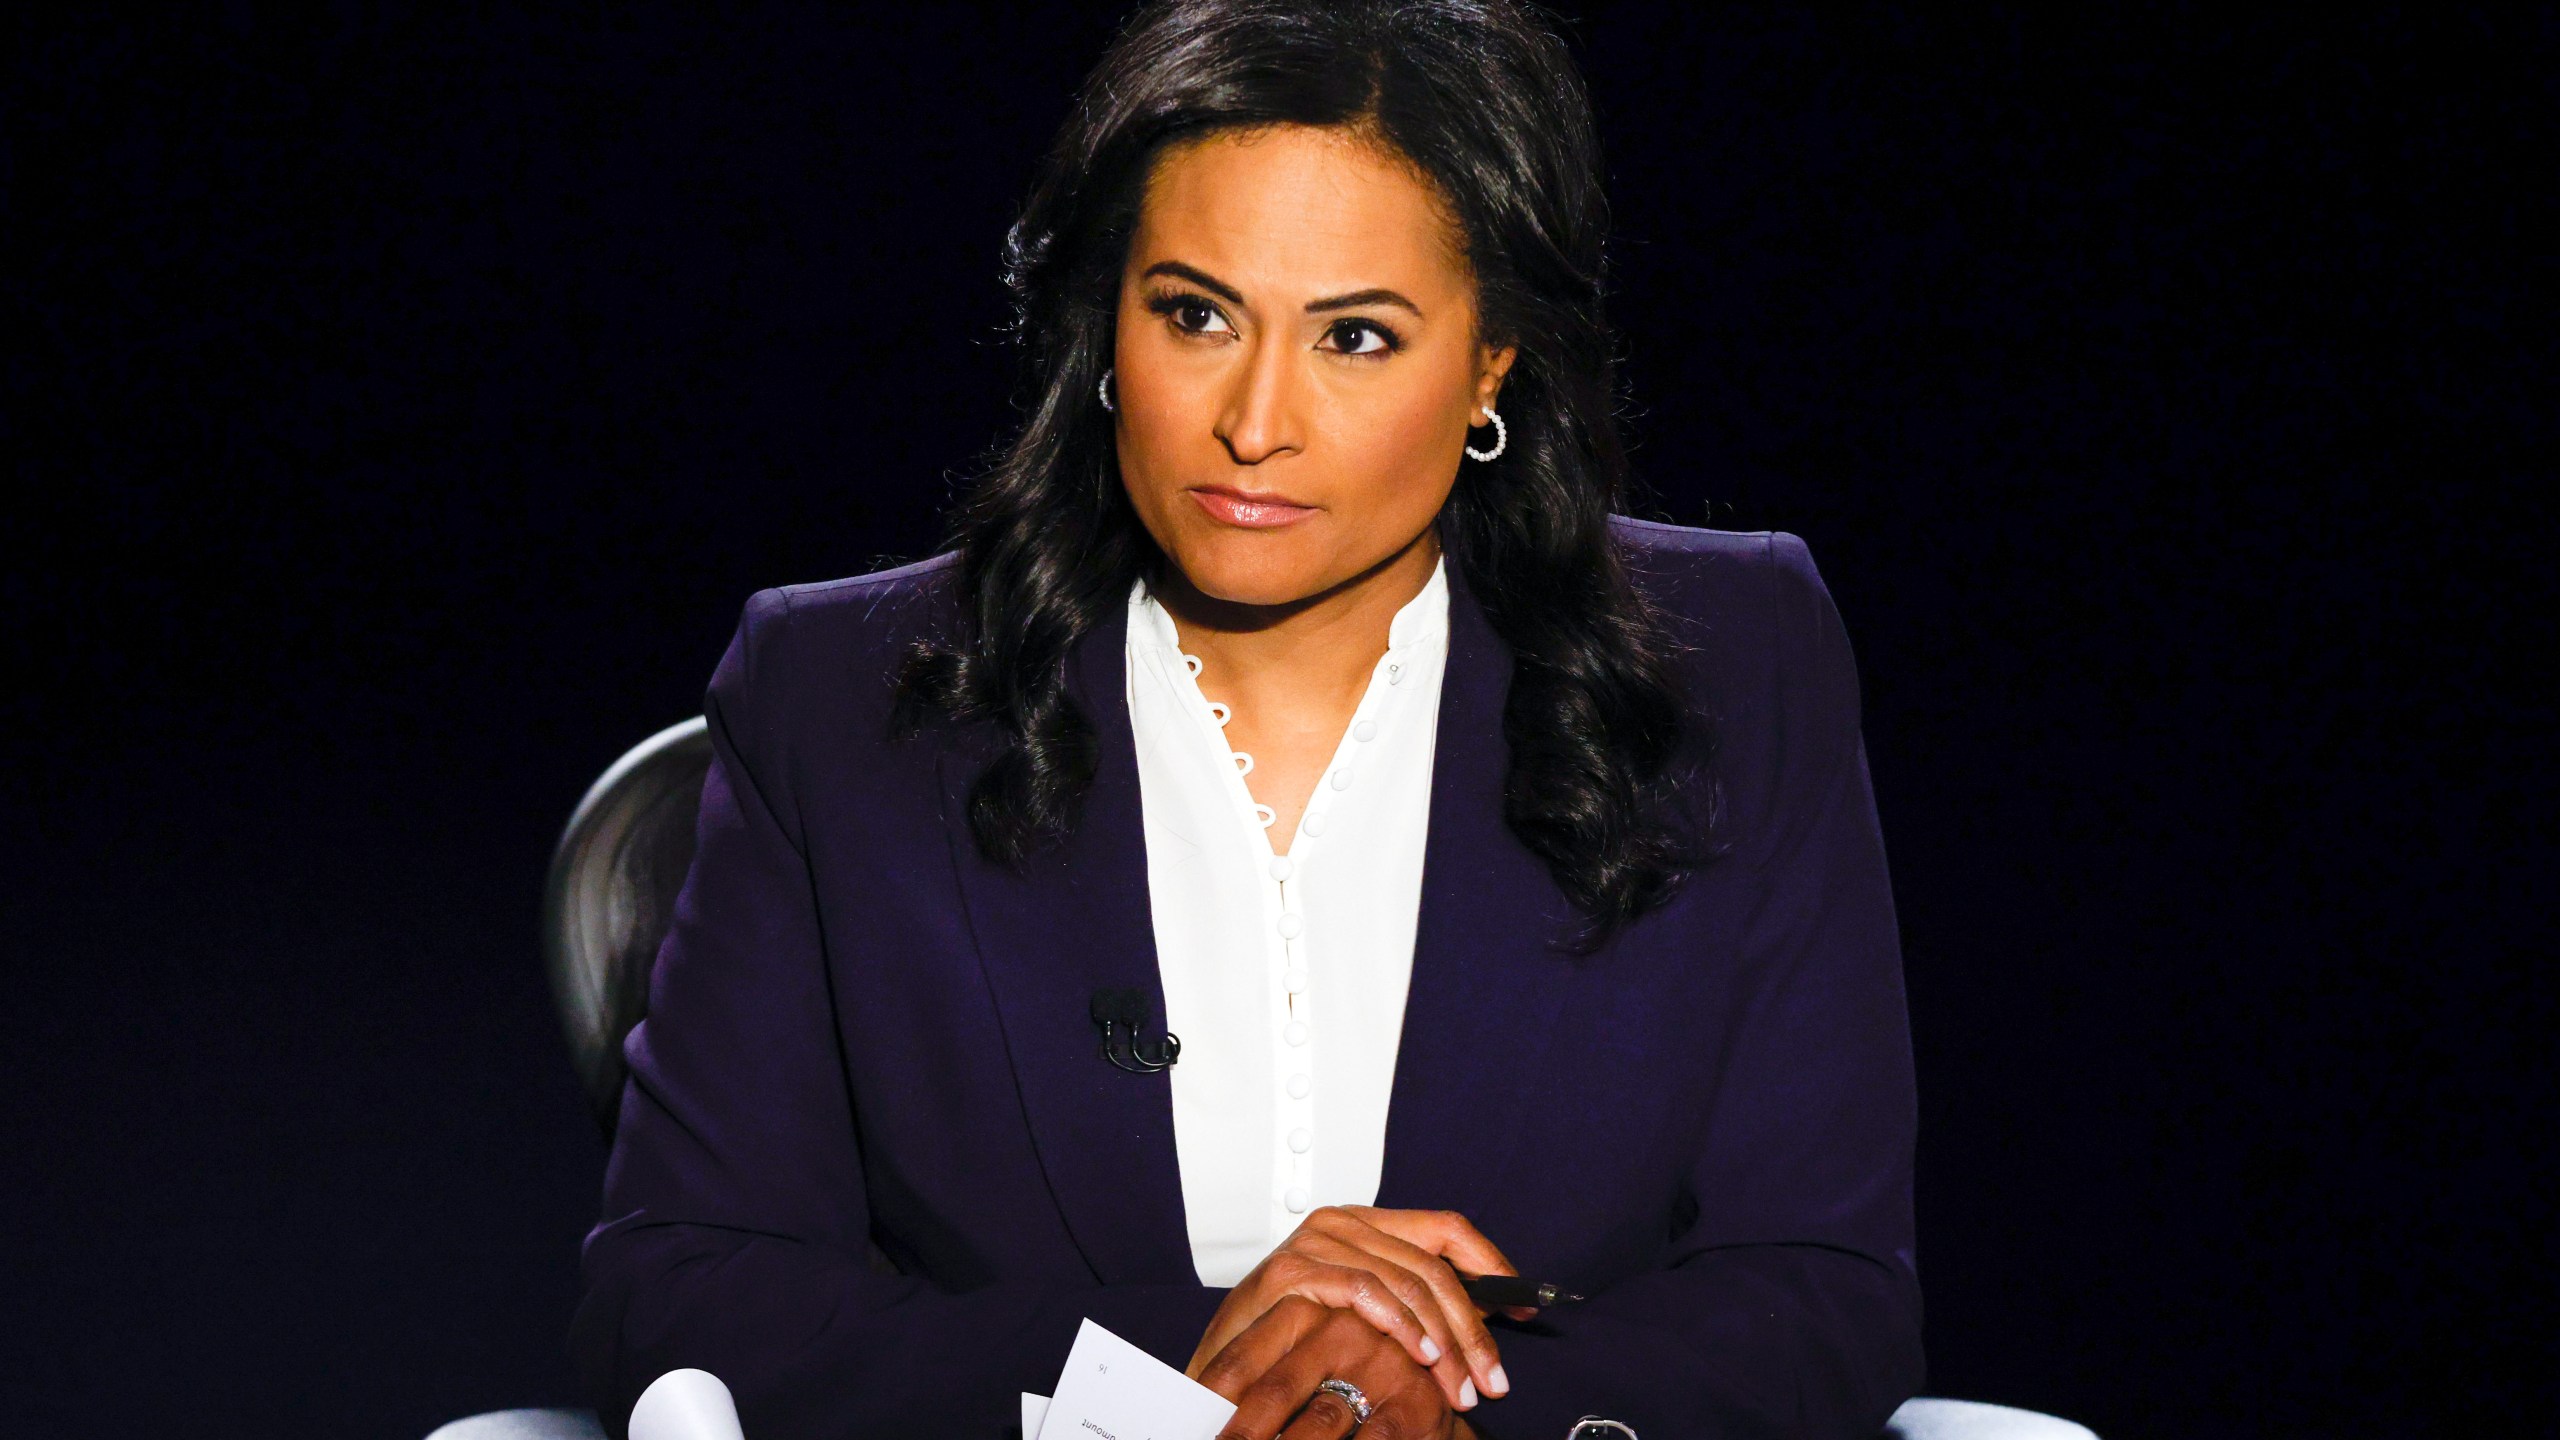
{"x": 1296, "y": 364}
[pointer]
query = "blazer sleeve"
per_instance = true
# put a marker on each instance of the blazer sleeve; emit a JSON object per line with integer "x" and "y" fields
{"x": 1790, "y": 1304}
{"x": 735, "y": 1235}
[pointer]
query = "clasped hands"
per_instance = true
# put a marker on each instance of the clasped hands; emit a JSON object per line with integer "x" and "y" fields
{"x": 1367, "y": 1296}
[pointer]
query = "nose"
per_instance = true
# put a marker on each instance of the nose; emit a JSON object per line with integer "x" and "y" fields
{"x": 1261, "y": 420}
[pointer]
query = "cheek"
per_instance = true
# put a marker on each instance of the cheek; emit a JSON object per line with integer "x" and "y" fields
{"x": 1163, "y": 423}
{"x": 1395, "y": 453}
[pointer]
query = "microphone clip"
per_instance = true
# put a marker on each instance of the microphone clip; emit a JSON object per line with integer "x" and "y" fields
{"x": 1119, "y": 1012}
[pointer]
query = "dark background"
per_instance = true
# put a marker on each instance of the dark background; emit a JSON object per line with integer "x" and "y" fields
{"x": 401, "y": 405}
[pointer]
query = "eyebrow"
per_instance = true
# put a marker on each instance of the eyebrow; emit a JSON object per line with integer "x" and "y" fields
{"x": 1376, "y": 295}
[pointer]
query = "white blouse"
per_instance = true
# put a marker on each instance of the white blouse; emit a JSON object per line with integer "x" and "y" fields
{"x": 1284, "y": 974}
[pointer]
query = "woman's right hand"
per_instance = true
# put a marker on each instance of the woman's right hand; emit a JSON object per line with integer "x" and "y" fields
{"x": 1393, "y": 1269}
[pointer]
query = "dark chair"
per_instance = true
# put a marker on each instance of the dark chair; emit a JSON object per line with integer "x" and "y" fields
{"x": 609, "y": 900}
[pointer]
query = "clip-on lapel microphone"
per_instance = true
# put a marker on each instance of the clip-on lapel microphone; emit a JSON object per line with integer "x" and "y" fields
{"x": 1119, "y": 1013}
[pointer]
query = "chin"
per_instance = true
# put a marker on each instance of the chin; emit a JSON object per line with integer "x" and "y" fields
{"x": 1252, "y": 570}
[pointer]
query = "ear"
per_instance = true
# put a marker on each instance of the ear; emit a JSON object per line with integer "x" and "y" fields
{"x": 1494, "y": 364}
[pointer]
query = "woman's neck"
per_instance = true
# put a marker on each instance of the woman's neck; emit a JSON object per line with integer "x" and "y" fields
{"x": 1303, "y": 665}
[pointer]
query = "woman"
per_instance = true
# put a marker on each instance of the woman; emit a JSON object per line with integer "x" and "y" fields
{"x": 1507, "y": 869}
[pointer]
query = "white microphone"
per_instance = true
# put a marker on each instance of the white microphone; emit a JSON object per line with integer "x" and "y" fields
{"x": 686, "y": 1405}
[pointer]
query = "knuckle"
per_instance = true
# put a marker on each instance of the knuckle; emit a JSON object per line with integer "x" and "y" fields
{"x": 1344, "y": 1322}
{"x": 1294, "y": 1307}
{"x": 1324, "y": 1407}
{"x": 1224, "y": 1368}
{"x": 1280, "y": 1317}
{"x": 1364, "y": 1286}
{"x": 1271, "y": 1394}
{"x": 1454, "y": 1298}
{"x": 1408, "y": 1415}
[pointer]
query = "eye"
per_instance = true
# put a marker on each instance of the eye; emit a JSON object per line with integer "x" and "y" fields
{"x": 1190, "y": 314}
{"x": 1360, "y": 337}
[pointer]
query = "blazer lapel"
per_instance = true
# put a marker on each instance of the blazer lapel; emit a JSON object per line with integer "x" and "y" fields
{"x": 1074, "y": 919}
{"x": 1487, "y": 984}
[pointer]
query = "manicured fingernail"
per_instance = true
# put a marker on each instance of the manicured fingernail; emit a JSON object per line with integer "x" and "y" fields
{"x": 1430, "y": 1351}
{"x": 1496, "y": 1383}
{"x": 1467, "y": 1393}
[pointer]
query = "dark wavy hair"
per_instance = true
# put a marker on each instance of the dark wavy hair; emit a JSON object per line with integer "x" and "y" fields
{"x": 1484, "y": 100}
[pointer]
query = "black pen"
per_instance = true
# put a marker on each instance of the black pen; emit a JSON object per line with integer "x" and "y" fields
{"x": 1496, "y": 1291}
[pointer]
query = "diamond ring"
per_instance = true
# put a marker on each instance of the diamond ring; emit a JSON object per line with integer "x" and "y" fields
{"x": 1351, "y": 1396}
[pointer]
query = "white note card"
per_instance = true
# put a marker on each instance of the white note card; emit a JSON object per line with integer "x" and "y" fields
{"x": 1112, "y": 1390}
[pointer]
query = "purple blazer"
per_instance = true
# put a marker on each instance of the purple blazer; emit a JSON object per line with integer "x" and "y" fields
{"x": 864, "y": 1040}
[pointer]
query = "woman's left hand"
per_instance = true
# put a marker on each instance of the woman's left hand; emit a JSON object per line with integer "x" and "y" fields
{"x": 1272, "y": 1368}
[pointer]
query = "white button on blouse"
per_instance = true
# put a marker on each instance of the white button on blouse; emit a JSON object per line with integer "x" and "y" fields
{"x": 1284, "y": 975}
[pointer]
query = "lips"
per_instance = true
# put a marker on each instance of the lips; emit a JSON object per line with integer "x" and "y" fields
{"x": 1251, "y": 512}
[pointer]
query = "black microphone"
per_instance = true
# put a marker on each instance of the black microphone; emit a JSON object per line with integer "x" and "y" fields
{"x": 1120, "y": 1011}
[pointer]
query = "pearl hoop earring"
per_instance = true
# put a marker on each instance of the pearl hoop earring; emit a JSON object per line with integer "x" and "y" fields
{"x": 1104, "y": 390}
{"x": 1501, "y": 438}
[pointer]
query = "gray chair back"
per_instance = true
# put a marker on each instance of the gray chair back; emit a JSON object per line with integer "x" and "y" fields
{"x": 612, "y": 894}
